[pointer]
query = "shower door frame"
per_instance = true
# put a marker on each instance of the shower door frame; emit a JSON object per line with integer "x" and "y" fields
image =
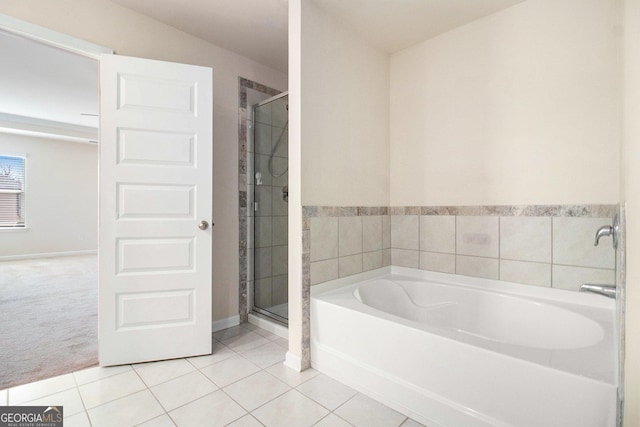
{"x": 252, "y": 308}
{"x": 244, "y": 126}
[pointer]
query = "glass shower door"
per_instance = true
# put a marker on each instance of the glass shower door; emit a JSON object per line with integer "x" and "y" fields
{"x": 270, "y": 179}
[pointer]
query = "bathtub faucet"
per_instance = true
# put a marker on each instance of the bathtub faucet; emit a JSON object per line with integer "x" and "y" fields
{"x": 609, "y": 230}
{"x": 606, "y": 290}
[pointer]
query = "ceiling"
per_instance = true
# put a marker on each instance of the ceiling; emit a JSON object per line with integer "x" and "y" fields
{"x": 49, "y": 84}
{"x": 52, "y": 86}
{"x": 393, "y": 25}
{"x": 258, "y": 29}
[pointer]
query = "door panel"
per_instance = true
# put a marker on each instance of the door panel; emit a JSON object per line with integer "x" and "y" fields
{"x": 155, "y": 188}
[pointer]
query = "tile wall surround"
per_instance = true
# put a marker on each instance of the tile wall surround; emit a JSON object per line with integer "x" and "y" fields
{"x": 340, "y": 242}
{"x": 543, "y": 245}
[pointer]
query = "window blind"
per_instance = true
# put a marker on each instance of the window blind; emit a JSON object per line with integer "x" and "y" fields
{"x": 12, "y": 174}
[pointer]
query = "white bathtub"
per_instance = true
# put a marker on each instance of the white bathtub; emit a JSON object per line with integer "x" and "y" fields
{"x": 450, "y": 350}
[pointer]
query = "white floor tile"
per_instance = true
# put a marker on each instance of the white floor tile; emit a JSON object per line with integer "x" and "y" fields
{"x": 97, "y": 373}
{"x": 282, "y": 343}
{"x": 256, "y": 390}
{"x": 326, "y": 391}
{"x": 246, "y": 421}
{"x": 290, "y": 409}
{"x": 332, "y": 420}
{"x": 161, "y": 421}
{"x": 215, "y": 409}
{"x": 215, "y": 390}
{"x": 158, "y": 372}
{"x": 411, "y": 423}
{"x": 111, "y": 388}
{"x": 362, "y": 411}
{"x": 230, "y": 370}
{"x": 220, "y": 353}
{"x": 230, "y": 332}
{"x": 69, "y": 399}
{"x": 77, "y": 420}
{"x": 184, "y": 389}
{"x": 244, "y": 342}
{"x": 262, "y": 332}
{"x": 32, "y": 391}
{"x": 266, "y": 355}
{"x": 127, "y": 411}
{"x": 289, "y": 376}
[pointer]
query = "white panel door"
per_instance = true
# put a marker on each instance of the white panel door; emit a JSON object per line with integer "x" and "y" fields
{"x": 155, "y": 192}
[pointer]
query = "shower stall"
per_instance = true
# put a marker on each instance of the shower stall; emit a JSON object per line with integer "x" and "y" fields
{"x": 268, "y": 158}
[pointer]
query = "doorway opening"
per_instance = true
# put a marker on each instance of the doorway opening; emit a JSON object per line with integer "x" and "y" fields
{"x": 48, "y": 256}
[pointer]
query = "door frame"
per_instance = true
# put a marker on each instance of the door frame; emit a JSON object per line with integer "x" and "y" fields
{"x": 47, "y": 37}
{"x": 53, "y": 38}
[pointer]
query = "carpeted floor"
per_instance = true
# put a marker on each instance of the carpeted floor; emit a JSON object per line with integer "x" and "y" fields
{"x": 48, "y": 317}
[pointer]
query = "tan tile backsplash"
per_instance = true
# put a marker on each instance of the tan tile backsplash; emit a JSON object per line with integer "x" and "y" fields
{"x": 405, "y": 258}
{"x": 573, "y": 243}
{"x": 478, "y": 236}
{"x": 487, "y": 268}
{"x": 404, "y": 232}
{"x": 548, "y": 246}
{"x": 438, "y": 233}
{"x": 371, "y": 233}
{"x": 440, "y": 262}
{"x": 324, "y": 238}
{"x": 349, "y": 236}
{"x": 531, "y": 273}
{"x": 526, "y": 238}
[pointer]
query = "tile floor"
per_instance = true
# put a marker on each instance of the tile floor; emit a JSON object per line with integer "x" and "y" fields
{"x": 243, "y": 383}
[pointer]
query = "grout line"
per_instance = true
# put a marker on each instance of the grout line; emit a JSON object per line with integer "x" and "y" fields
{"x": 455, "y": 244}
{"x": 499, "y": 248}
{"x": 419, "y": 241}
{"x": 551, "y": 232}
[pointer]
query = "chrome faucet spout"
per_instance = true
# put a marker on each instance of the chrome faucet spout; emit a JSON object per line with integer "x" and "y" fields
{"x": 606, "y": 290}
{"x": 605, "y": 230}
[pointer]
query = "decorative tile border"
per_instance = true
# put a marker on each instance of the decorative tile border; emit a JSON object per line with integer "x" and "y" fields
{"x": 576, "y": 211}
{"x": 243, "y": 212}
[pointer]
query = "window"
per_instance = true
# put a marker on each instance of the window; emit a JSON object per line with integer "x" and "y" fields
{"x": 12, "y": 191}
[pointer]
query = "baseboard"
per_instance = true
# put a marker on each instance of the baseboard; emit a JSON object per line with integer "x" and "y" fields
{"x": 218, "y": 325}
{"x": 292, "y": 361}
{"x": 48, "y": 255}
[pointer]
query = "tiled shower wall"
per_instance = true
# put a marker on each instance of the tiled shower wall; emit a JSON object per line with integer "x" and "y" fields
{"x": 550, "y": 246}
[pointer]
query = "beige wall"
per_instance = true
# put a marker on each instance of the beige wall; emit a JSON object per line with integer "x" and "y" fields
{"x": 61, "y": 203}
{"x": 520, "y": 107}
{"x": 345, "y": 115}
{"x": 132, "y": 34}
{"x": 631, "y": 194}
{"x": 338, "y": 134}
